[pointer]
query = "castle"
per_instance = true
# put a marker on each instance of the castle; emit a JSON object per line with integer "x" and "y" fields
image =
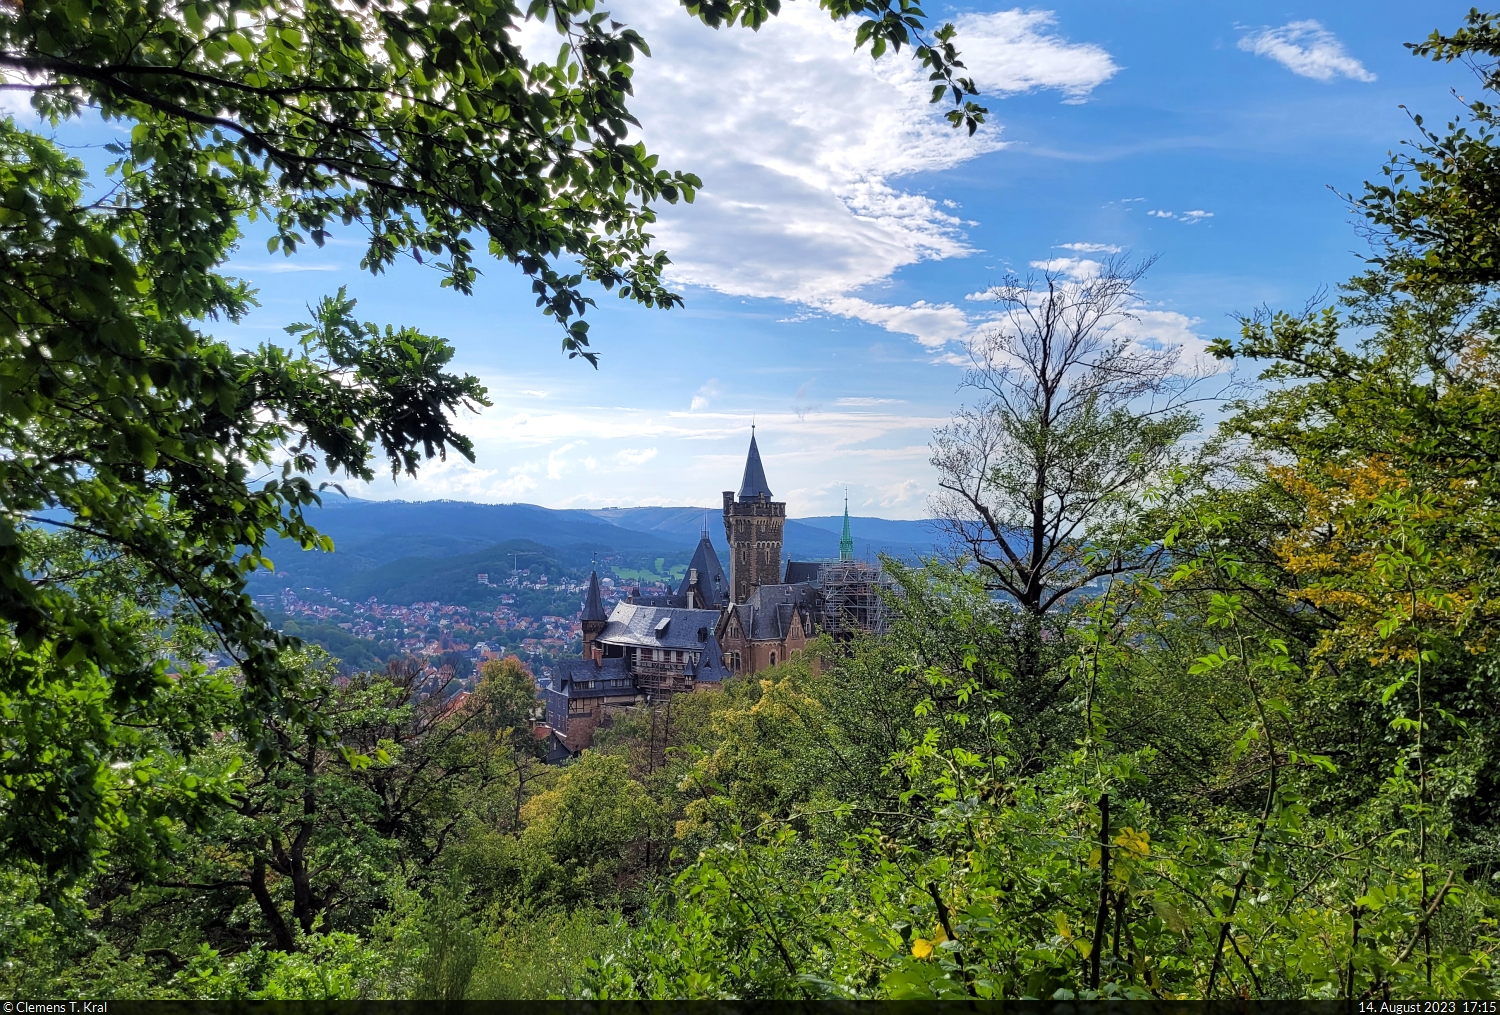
{"x": 714, "y": 625}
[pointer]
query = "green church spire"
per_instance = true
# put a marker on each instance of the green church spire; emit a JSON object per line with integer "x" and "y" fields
{"x": 846, "y": 544}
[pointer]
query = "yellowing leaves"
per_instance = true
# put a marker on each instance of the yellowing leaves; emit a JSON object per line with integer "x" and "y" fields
{"x": 922, "y": 947}
{"x": 1134, "y": 842}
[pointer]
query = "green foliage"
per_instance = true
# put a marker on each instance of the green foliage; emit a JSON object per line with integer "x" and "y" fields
{"x": 128, "y": 426}
{"x": 425, "y": 127}
{"x": 1256, "y": 760}
{"x": 1435, "y": 204}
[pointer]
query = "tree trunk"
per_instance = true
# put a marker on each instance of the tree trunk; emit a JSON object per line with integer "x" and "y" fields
{"x": 279, "y": 929}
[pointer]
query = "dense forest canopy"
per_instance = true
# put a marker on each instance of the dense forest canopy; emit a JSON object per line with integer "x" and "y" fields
{"x": 1225, "y": 724}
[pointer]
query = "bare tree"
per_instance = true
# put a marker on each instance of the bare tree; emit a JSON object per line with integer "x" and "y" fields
{"x": 1075, "y": 419}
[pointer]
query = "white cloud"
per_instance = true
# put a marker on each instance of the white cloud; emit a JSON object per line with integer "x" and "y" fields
{"x": 556, "y": 463}
{"x": 1308, "y": 49}
{"x": 875, "y": 446}
{"x": 633, "y": 457}
{"x": 934, "y": 325}
{"x": 864, "y": 402}
{"x": 801, "y": 143}
{"x": 1090, "y": 248}
{"x": 16, "y": 102}
{"x": 1071, "y": 267}
{"x": 1157, "y": 329}
{"x": 705, "y": 395}
{"x": 515, "y": 486}
{"x": 904, "y": 492}
{"x": 1015, "y": 51}
{"x": 1186, "y": 217}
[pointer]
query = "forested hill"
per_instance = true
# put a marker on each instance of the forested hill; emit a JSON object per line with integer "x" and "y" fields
{"x": 421, "y": 550}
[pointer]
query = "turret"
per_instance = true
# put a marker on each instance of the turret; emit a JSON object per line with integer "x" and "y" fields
{"x": 594, "y": 618}
{"x": 705, "y": 586}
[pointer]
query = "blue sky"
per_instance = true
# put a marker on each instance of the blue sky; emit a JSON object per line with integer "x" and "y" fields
{"x": 830, "y": 262}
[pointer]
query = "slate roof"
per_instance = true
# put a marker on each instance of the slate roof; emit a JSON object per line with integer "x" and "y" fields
{"x": 573, "y": 676}
{"x": 643, "y": 627}
{"x": 767, "y": 614}
{"x": 710, "y": 668}
{"x": 799, "y": 572}
{"x": 754, "y": 484}
{"x": 712, "y": 581}
{"x": 593, "y": 606}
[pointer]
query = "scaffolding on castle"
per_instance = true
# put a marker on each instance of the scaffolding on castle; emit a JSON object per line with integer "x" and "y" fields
{"x": 850, "y": 594}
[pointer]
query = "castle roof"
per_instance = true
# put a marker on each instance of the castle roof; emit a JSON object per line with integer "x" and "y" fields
{"x": 608, "y": 677}
{"x": 754, "y": 484}
{"x": 710, "y": 668}
{"x": 593, "y": 606}
{"x": 802, "y": 572}
{"x": 712, "y": 582}
{"x": 659, "y": 627}
{"x": 767, "y": 614}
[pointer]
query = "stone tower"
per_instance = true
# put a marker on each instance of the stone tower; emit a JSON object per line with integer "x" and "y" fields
{"x": 753, "y": 524}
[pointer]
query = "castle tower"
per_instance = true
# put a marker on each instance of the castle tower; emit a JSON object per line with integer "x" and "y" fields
{"x": 594, "y": 619}
{"x": 753, "y": 524}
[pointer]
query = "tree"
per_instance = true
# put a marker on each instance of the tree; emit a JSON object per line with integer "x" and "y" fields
{"x": 1445, "y": 229}
{"x": 361, "y": 800}
{"x": 503, "y": 705}
{"x": 1041, "y": 479}
{"x": 1384, "y": 451}
{"x": 121, "y": 419}
{"x": 586, "y": 837}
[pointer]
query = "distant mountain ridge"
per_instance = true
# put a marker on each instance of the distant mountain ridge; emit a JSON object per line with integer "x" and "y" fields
{"x": 416, "y": 549}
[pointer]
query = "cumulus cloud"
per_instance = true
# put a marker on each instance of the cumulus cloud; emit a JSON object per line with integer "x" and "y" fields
{"x": 705, "y": 395}
{"x": 802, "y": 144}
{"x": 905, "y": 492}
{"x": 1160, "y": 329}
{"x": 515, "y": 486}
{"x": 1071, "y": 267}
{"x": 934, "y": 325}
{"x": 1308, "y": 49}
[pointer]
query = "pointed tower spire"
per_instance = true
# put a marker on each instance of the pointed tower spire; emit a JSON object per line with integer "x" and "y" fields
{"x": 754, "y": 483}
{"x": 846, "y": 542}
{"x": 593, "y": 606}
{"x": 593, "y": 620}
